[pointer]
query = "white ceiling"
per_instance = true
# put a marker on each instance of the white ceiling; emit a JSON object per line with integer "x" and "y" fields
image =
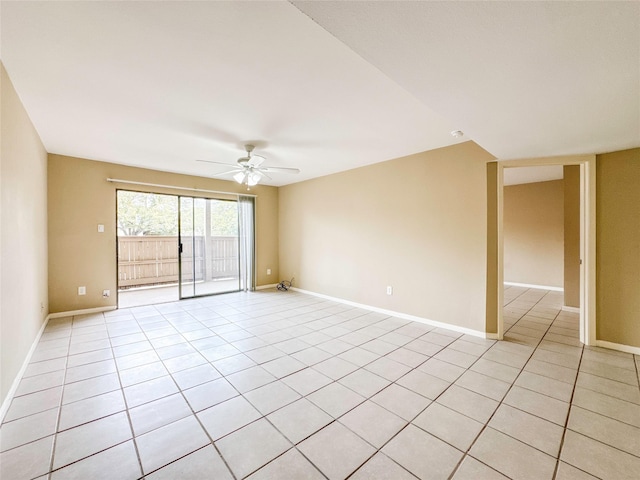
{"x": 544, "y": 173}
{"x": 323, "y": 86}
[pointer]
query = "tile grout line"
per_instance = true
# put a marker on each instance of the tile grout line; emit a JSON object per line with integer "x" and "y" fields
{"x": 566, "y": 421}
{"x": 60, "y": 404}
{"x": 170, "y": 374}
{"x": 124, "y": 398}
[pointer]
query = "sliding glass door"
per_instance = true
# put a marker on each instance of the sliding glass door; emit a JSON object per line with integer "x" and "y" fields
{"x": 216, "y": 246}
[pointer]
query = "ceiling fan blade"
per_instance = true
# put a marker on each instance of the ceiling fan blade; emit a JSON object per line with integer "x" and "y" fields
{"x": 282, "y": 169}
{"x": 216, "y": 163}
{"x": 260, "y": 171}
{"x": 256, "y": 160}
{"x": 236, "y": 170}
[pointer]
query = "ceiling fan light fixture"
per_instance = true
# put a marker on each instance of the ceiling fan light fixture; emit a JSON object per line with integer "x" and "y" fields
{"x": 240, "y": 177}
{"x": 252, "y": 179}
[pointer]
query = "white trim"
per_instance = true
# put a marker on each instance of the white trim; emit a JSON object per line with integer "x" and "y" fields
{"x": 539, "y": 287}
{"x": 413, "y": 318}
{"x": 588, "y": 251}
{"x": 267, "y": 287}
{"x": 174, "y": 187}
{"x": 84, "y": 311}
{"x": 16, "y": 381}
{"x": 566, "y": 308}
{"x": 618, "y": 346}
{"x": 500, "y": 250}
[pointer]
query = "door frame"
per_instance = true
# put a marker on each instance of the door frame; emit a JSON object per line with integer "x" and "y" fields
{"x": 587, "y": 165}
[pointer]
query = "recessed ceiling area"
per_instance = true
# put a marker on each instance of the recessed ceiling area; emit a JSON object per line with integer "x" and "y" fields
{"x": 323, "y": 86}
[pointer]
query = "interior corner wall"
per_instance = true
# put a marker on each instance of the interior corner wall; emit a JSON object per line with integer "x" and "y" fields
{"x": 23, "y": 237}
{"x": 618, "y": 247}
{"x": 533, "y": 228}
{"x": 417, "y": 224}
{"x": 80, "y": 198}
{"x": 571, "y": 177}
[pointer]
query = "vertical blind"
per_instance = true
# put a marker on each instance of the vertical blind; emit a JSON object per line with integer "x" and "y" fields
{"x": 246, "y": 220}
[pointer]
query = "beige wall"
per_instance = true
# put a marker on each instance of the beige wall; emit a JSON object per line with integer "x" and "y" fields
{"x": 533, "y": 226}
{"x": 80, "y": 198}
{"x": 571, "y": 175}
{"x": 618, "y": 247}
{"x": 23, "y": 238}
{"x": 418, "y": 224}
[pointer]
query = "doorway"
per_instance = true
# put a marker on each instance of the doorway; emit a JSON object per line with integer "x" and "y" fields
{"x": 587, "y": 240}
{"x": 172, "y": 247}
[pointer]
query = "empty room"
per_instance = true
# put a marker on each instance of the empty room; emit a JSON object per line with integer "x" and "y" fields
{"x": 319, "y": 240}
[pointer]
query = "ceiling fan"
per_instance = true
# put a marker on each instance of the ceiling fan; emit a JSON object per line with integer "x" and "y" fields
{"x": 249, "y": 170}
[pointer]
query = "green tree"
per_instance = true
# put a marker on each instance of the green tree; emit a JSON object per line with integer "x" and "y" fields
{"x": 147, "y": 214}
{"x": 156, "y": 214}
{"x": 224, "y": 218}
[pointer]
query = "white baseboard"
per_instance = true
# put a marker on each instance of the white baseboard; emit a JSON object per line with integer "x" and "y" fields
{"x": 538, "y": 287}
{"x": 267, "y": 287}
{"x": 16, "y": 381}
{"x": 566, "y": 308}
{"x": 618, "y": 346}
{"x": 84, "y": 311}
{"x": 405, "y": 316}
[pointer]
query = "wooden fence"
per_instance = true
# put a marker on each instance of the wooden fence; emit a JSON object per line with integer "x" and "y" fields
{"x": 153, "y": 260}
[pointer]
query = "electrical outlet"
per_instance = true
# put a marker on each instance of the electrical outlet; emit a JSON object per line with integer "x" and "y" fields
{"x": 106, "y": 293}
{"x": 268, "y": 271}
{"x": 389, "y": 290}
{"x": 82, "y": 290}
{"x": 100, "y": 228}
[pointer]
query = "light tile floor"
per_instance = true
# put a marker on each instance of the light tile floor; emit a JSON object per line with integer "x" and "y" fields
{"x": 275, "y": 385}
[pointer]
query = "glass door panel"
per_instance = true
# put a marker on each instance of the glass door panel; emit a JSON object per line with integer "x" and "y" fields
{"x": 209, "y": 246}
